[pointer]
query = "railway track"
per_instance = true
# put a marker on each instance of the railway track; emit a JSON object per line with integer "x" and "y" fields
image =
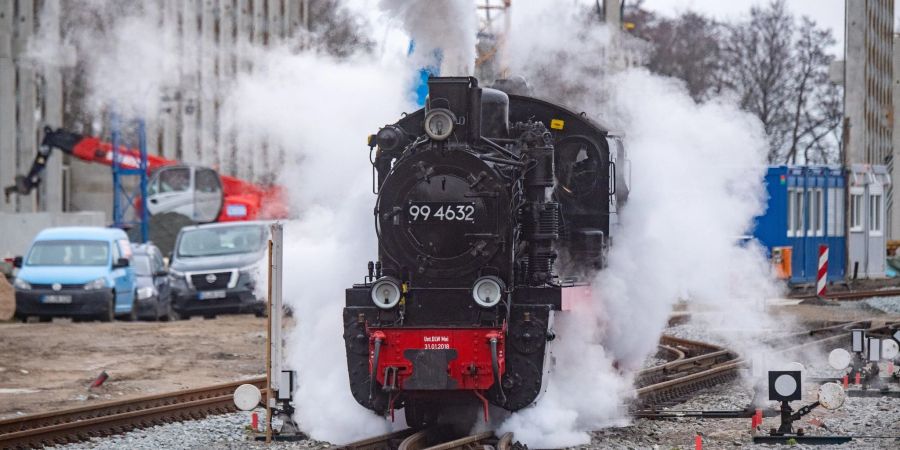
{"x": 434, "y": 438}
{"x": 851, "y": 295}
{"x": 696, "y": 365}
{"x": 690, "y": 367}
{"x": 103, "y": 419}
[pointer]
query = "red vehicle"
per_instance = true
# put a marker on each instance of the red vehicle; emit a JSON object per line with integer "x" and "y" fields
{"x": 200, "y": 193}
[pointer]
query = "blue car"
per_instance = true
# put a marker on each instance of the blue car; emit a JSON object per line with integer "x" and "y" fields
{"x": 78, "y": 272}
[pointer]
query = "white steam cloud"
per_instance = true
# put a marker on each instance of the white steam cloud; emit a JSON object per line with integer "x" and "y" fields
{"x": 696, "y": 184}
{"x": 318, "y": 110}
{"x": 130, "y": 58}
{"x": 447, "y": 26}
{"x": 322, "y": 123}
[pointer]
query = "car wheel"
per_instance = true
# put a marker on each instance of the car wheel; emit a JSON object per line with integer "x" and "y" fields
{"x": 261, "y": 312}
{"x": 171, "y": 314}
{"x": 209, "y": 316}
{"x": 45, "y": 319}
{"x": 133, "y": 315}
{"x": 110, "y": 314}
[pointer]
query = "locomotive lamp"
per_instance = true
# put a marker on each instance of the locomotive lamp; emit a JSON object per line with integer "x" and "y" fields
{"x": 439, "y": 123}
{"x": 386, "y": 293}
{"x": 488, "y": 291}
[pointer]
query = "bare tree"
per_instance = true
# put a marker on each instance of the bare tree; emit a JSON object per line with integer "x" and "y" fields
{"x": 685, "y": 47}
{"x": 336, "y": 29}
{"x": 759, "y": 67}
{"x": 780, "y": 73}
{"x": 817, "y": 102}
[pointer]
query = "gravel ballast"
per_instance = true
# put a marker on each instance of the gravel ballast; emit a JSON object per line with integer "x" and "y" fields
{"x": 873, "y": 416}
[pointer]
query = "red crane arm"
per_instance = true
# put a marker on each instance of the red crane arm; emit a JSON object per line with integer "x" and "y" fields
{"x": 92, "y": 149}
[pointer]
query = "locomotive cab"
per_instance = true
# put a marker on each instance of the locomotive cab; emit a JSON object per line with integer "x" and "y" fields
{"x": 479, "y": 194}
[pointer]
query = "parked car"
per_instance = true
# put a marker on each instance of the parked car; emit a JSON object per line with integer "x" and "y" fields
{"x": 78, "y": 272}
{"x": 153, "y": 296}
{"x": 214, "y": 269}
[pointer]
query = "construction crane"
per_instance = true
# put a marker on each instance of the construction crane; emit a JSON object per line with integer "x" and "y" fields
{"x": 200, "y": 193}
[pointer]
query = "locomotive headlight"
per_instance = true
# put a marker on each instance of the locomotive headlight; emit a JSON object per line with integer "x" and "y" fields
{"x": 439, "y": 123}
{"x": 386, "y": 293}
{"x": 488, "y": 291}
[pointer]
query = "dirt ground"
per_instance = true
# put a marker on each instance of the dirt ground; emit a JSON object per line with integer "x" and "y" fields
{"x": 49, "y": 366}
{"x": 7, "y": 299}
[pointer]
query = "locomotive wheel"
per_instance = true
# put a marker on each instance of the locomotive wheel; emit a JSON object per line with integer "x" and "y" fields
{"x": 420, "y": 414}
{"x": 521, "y": 382}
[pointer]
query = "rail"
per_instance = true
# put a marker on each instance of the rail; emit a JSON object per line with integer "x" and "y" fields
{"x": 103, "y": 419}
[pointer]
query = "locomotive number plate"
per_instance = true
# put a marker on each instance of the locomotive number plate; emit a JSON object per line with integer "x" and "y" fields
{"x": 432, "y": 212}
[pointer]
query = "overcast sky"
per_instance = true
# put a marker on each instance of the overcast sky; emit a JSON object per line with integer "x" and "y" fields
{"x": 827, "y": 13}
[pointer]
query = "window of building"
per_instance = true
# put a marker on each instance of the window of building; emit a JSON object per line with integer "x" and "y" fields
{"x": 792, "y": 205}
{"x": 796, "y": 222}
{"x": 816, "y": 212}
{"x": 795, "y": 212}
{"x": 875, "y": 216}
{"x": 856, "y": 213}
{"x": 838, "y": 195}
{"x": 830, "y": 217}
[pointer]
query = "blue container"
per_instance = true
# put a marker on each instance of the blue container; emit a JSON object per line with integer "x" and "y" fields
{"x": 805, "y": 210}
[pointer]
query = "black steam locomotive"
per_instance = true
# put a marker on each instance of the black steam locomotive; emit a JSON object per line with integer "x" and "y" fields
{"x": 488, "y": 205}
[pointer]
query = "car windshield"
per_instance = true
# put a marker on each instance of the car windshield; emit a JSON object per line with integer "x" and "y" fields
{"x": 142, "y": 265}
{"x": 69, "y": 253}
{"x": 221, "y": 240}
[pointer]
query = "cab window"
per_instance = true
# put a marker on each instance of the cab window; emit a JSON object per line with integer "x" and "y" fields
{"x": 207, "y": 181}
{"x": 175, "y": 180}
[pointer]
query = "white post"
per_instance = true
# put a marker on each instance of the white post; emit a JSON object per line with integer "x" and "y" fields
{"x": 275, "y": 313}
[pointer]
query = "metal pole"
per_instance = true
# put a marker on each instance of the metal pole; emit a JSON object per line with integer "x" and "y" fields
{"x": 269, "y": 393}
{"x": 145, "y": 215}
{"x": 117, "y": 208}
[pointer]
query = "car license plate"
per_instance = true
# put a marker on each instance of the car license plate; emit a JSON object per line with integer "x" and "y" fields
{"x": 57, "y": 299}
{"x": 206, "y": 295}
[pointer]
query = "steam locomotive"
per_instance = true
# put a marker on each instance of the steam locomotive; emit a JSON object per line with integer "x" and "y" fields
{"x": 490, "y": 204}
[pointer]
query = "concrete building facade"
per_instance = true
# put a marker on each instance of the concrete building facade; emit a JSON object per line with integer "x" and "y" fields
{"x": 868, "y": 80}
{"x": 869, "y": 133}
{"x": 209, "y": 36}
